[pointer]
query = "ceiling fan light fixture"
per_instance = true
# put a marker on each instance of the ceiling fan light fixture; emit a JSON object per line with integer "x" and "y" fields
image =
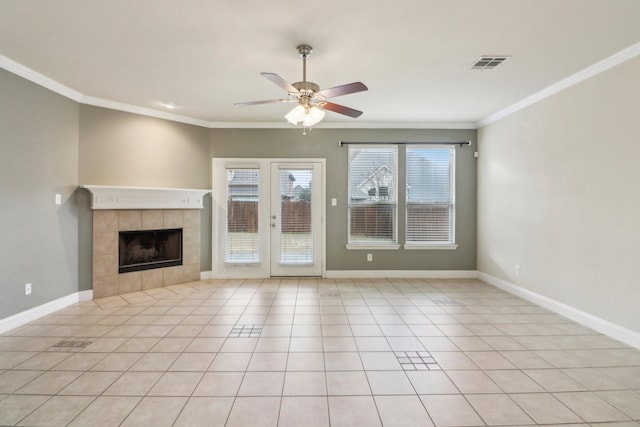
{"x": 313, "y": 116}
{"x": 309, "y": 116}
{"x": 296, "y": 115}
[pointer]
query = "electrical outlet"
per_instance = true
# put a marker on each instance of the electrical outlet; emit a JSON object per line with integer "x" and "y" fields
{"x": 58, "y": 199}
{"x": 517, "y": 270}
{"x": 369, "y": 257}
{"x": 27, "y": 289}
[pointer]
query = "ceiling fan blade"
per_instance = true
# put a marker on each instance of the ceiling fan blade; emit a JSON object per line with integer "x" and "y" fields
{"x": 343, "y": 90}
{"x": 269, "y": 101}
{"x": 340, "y": 109}
{"x": 280, "y": 82}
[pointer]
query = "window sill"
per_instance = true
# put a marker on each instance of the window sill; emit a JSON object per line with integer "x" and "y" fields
{"x": 430, "y": 246}
{"x": 296, "y": 264}
{"x": 374, "y": 246}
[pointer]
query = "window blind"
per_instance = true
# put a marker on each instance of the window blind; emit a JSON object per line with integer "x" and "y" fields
{"x": 296, "y": 238}
{"x": 372, "y": 194}
{"x": 430, "y": 213}
{"x": 243, "y": 240}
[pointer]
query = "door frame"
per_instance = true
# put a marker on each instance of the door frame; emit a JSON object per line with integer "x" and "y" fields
{"x": 278, "y": 269}
{"x": 262, "y": 269}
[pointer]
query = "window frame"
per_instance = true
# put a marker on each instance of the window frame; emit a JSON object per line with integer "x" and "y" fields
{"x": 393, "y": 201}
{"x": 449, "y": 244}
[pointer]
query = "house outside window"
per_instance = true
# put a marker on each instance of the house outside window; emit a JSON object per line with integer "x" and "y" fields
{"x": 373, "y": 195}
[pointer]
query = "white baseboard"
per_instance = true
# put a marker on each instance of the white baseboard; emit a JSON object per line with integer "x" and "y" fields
{"x": 354, "y": 274}
{"x": 34, "y": 313}
{"x": 603, "y": 326}
{"x": 401, "y": 274}
{"x": 204, "y": 275}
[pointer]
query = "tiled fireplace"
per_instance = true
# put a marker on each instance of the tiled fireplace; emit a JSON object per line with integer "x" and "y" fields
{"x": 113, "y": 214}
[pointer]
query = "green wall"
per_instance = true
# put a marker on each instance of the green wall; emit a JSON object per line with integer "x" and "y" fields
{"x": 131, "y": 150}
{"x": 38, "y": 159}
{"x": 125, "y": 149}
{"x": 323, "y": 143}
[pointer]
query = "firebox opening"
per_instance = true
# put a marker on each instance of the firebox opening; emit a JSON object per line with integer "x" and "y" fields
{"x": 148, "y": 249}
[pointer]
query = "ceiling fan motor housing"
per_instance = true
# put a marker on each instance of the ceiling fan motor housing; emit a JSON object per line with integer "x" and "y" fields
{"x": 306, "y": 86}
{"x": 304, "y": 50}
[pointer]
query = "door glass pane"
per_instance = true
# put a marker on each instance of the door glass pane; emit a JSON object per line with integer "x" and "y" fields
{"x": 296, "y": 242}
{"x": 243, "y": 241}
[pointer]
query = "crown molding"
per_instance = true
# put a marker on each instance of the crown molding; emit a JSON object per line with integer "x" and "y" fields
{"x": 39, "y": 79}
{"x": 595, "y": 69}
{"x": 400, "y": 125}
{"x": 345, "y": 125}
{"x": 48, "y": 83}
{"x": 251, "y": 125}
{"x": 120, "y": 106}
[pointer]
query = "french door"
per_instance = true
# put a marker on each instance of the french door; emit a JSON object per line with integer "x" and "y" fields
{"x": 295, "y": 219}
{"x": 268, "y": 217}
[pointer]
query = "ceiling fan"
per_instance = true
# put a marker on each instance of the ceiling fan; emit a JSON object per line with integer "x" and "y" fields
{"x": 311, "y": 100}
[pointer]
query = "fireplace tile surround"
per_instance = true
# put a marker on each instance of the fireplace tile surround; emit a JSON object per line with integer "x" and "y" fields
{"x": 117, "y": 209}
{"x": 106, "y": 225}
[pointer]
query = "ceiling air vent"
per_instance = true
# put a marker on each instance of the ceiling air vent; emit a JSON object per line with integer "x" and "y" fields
{"x": 489, "y": 62}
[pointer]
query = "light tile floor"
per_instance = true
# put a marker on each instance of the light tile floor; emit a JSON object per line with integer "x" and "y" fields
{"x": 315, "y": 352}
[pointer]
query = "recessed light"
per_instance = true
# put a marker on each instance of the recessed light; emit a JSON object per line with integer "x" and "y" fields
{"x": 167, "y": 104}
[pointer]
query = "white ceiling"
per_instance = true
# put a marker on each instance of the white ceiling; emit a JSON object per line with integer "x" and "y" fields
{"x": 414, "y": 55}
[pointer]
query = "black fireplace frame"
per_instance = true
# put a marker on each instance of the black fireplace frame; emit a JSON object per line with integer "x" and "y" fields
{"x": 128, "y": 268}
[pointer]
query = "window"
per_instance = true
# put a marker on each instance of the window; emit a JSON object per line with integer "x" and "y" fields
{"x": 373, "y": 195}
{"x": 430, "y": 210}
{"x": 243, "y": 240}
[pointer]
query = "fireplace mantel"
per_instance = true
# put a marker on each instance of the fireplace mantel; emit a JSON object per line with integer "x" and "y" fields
{"x": 107, "y": 197}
